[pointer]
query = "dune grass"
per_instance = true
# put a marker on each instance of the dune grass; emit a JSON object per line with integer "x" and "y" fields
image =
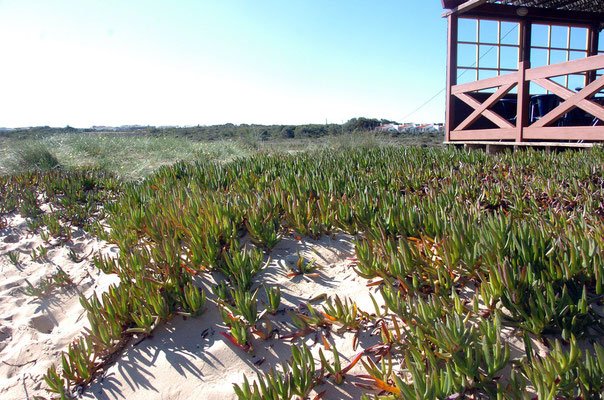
{"x": 133, "y": 156}
{"x": 130, "y": 156}
{"x": 33, "y": 156}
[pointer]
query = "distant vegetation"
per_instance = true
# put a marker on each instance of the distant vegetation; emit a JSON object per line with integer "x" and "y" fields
{"x": 133, "y": 152}
{"x": 226, "y": 131}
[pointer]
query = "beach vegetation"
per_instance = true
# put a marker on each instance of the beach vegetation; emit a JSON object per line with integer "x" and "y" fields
{"x": 466, "y": 250}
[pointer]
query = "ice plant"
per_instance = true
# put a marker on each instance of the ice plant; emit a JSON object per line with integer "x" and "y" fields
{"x": 336, "y": 369}
{"x": 304, "y": 267}
{"x": 238, "y": 335}
{"x": 273, "y": 296}
{"x": 458, "y": 243}
{"x": 343, "y": 313}
{"x": 14, "y": 256}
{"x": 194, "y": 299}
{"x": 57, "y": 384}
{"x": 263, "y": 226}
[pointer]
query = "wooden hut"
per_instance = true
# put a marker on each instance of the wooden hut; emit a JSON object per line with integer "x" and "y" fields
{"x": 525, "y": 72}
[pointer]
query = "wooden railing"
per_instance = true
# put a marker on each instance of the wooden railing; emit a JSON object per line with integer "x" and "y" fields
{"x": 523, "y": 129}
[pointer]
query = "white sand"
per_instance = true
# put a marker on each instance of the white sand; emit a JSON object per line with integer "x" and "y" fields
{"x": 178, "y": 363}
{"x": 184, "y": 358}
{"x": 34, "y": 331}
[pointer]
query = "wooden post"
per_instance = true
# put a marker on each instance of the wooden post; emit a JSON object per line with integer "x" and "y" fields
{"x": 524, "y": 62}
{"x": 525, "y": 29}
{"x": 452, "y": 22}
{"x": 522, "y": 111}
{"x": 592, "y": 50}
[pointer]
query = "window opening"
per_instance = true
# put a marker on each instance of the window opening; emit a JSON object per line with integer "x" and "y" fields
{"x": 486, "y": 48}
{"x": 553, "y": 44}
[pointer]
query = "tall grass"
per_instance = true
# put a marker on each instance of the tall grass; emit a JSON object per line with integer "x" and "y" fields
{"x": 32, "y": 156}
{"x": 130, "y": 156}
{"x": 136, "y": 155}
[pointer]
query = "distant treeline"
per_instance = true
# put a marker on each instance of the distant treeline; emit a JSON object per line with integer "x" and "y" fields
{"x": 212, "y": 132}
{"x": 274, "y": 131}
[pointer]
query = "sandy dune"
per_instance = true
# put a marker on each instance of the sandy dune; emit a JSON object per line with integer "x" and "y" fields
{"x": 34, "y": 330}
{"x": 187, "y": 359}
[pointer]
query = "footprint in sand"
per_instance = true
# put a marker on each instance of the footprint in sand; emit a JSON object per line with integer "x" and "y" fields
{"x": 8, "y": 285}
{"x": 42, "y": 324}
{"x": 5, "y": 335}
{"x": 11, "y": 239}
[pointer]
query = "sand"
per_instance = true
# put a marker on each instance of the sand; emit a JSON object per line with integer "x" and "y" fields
{"x": 35, "y": 330}
{"x": 184, "y": 358}
{"x": 188, "y": 358}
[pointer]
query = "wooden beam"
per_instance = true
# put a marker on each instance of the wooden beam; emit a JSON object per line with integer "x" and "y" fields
{"x": 592, "y": 50}
{"x": 524, "y": 144}
{"x": 591, "y": 107}
{"x": 451, "y": 3}
{"x": 483, "y": 109}
{"x": 571, "y": 102}
{"x": 452, "y": 29}
{"x": 464, "y": 7}
{"x": 592, "y": 133}
{"x": 484, "y": 134}
{"x": 486, "y": 83}
{"x": 566, "y": 68}
{"x": 491, "y": 115}
{"x": 525, "y": 30}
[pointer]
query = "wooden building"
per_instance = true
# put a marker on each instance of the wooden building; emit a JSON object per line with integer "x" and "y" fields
{"x": 525, "y": 72}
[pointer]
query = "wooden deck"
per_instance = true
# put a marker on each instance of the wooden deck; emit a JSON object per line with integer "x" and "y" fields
{"x": 500, "y": 146}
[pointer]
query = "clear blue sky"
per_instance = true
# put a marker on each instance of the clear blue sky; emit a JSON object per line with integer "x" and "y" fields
{"x": 106, "y": 62}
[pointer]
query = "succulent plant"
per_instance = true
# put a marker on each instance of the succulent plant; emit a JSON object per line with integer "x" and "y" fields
{"x": 460, "y": 244}
{"x": 344, "y": 313}
{"x": 336, "y": 369}
{"x": 273, "y": 296}
{"x": 14, "y": 257}
{"x": 304, "y": 267}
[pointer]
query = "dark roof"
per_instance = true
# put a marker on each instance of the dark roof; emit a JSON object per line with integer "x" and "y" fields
{"x": 596, "y": 6}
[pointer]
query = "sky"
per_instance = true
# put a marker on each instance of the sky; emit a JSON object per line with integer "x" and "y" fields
{"x": 104, "y": 62}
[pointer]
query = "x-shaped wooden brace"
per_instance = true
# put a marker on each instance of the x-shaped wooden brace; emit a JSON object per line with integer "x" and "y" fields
{"x": 572, "y": 100}
{"x": 482, "y": 109}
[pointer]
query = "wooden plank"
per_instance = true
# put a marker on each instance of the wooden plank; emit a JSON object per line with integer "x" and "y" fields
{"x": 487, "y": 83}
{"x": 523, "y": 144}
{"x": 566, "y": 68}
{"x": 491, "y": 115}
{"x": 464, "y": 7}
{"x": 593, "y": 133}
{"x": 495, "y": 97}
{"x": 484, "y": 134}
{"x": 572, "y": 102}
{"x": 591, "y": 107}
{"x": 451, "y": 73}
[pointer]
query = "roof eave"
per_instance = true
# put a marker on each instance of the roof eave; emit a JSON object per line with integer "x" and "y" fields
{"x": 450, "y": 4}
{"x": 503, "y": 11}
